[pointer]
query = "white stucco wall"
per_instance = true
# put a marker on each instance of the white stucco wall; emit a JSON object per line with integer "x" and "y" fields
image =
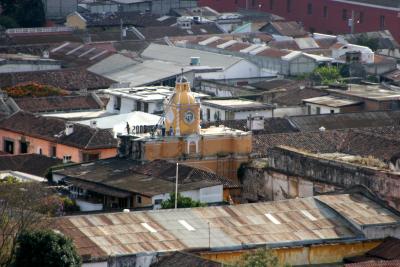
{"x": 238, "y": 115}
{"x": 95, "y": 264}
{"x": 27, "y": 67}
{"x": 324, "y": 109}
{"x": 87, "y": 206}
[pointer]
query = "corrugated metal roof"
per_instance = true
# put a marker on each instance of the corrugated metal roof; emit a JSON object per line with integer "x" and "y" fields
{"x": 182, "y": 56}
{"x": 230, "y": 226}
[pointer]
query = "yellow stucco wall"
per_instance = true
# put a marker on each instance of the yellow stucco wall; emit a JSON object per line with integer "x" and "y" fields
{"x": 75, "y": 21}
{"x": 316, "y": 254}
{"x": 221, "y": 154}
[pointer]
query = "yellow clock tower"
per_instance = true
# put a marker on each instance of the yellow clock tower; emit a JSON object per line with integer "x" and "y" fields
{"x": 182, "y": 111}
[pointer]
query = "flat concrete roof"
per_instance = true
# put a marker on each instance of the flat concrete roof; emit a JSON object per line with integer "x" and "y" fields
{"x": 331, "y": 101}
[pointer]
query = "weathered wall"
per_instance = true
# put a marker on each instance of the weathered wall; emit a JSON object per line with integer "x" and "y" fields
{"x": 261, "y": 183}
{"x": 315, "y": 254}
{"x": 294, "y": 163}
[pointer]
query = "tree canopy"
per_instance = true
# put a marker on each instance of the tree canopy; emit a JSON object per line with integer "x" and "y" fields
{"x": 45, "y": 248}
{"x": 183, "y": 202}
{"x": 25, "y": 13}
{"x": 258, "y": 258}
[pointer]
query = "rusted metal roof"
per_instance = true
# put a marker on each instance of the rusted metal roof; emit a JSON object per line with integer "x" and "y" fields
{"x": 280, "y": 223}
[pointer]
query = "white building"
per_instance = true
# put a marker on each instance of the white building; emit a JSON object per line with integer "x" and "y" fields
{"x": 233, "y": 109}
{"x": 137, "y": 121}
{"x": 22, "y": 63}
{"x": 206, "y": 65}
{"x": 148, "y": 99}
{"x": 339, "y": 51}
{"x": 330, "y": 105}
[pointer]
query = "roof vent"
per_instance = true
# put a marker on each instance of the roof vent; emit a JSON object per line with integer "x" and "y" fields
{"x": 69, "y": 128}
{"x": 125, "y": 210}
{"x": 46, "y": 54}
{"x": 322, "y": 129}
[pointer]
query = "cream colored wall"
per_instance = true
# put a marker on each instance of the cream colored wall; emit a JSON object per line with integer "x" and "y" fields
{"x": 75, "y": 21}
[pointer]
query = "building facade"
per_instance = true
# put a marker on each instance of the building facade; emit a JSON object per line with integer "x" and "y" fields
{"x": 326, "y": 16}
{"x": 219, "y": 149}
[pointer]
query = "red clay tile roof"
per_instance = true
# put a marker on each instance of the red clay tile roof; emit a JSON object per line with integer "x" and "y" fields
{"x": 363, "y": 142}
{"x": 29, "y": 163}
{"x": 52, "y": 129}
{"x": 57, "y": 103}
{"x": 68, "y": 79}
{"x": 287, "y": 28}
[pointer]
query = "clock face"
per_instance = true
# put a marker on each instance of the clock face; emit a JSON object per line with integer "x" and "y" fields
{"x": 189, "y": 117}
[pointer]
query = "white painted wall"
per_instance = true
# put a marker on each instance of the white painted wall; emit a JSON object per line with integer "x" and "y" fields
{"x": 95, "y": 264}
{"x": 128, "y": 105}
{"x": 290, "y": 111}
{"x": 27, "y": 67}
{"x": 324, "y": 109}
{"x": 87, "y": 206}
{"x": 238, "y": 115}
{"x": 367, "y": 55}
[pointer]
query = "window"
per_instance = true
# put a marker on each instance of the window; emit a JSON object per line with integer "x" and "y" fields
{"x": 146, "y": 107}
{"x": 208, "y": 114}
{"x": 67, "y": 159}
{"x": 139, "y": 106}
{"x": 157, "y": 201}
{"x": 318, "y": 110}
{"x": 344, "y": 14}
{"x": 53, "y": 151}
{"x": 9, "y": 146}
{"x": 90, "y": 156}
{"x": 289, "y": 6}
{"x": 23, "y": 147}
{"x": 40, "y": 151}
{"x": 139, "y": 199}
{"x": 382, "y": 22}
{"x": 117, "y": 105}
{"x": 325, "y": 13}
{"x": 332, "y": 111}
{"x": 271, "y": 4}
{"x": 309, "y": 9}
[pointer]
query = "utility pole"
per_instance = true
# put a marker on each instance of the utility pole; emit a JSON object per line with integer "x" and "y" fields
{"x": 176, "y": 186}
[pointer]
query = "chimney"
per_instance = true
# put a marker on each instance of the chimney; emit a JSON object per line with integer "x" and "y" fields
{"x": 93, "y": 124}
{"x": 322, "y": 129}
{"x": 69, "y": 128}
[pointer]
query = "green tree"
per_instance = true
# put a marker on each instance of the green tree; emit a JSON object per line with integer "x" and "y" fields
{"x": 30, "y": 13}
{"x": 27, "y": 13}
{"x": 183, "y": 202}
{"x": 258, "y": 258}
{"x": 23, "y": 207}
{"x": 45, "y": 248}
{"x": 372, "y": 43}
{"x": 326, "y": 75}
{"x": 8, "y": 22}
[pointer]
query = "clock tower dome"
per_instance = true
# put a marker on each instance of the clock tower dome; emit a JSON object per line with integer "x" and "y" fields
{"x": 182, "y": 111}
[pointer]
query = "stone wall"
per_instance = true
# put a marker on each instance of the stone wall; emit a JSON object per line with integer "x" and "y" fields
{"x": 291, "y": 162}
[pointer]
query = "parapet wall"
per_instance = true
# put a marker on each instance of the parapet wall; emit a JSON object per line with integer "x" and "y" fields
{"x": 296, "y": 163}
